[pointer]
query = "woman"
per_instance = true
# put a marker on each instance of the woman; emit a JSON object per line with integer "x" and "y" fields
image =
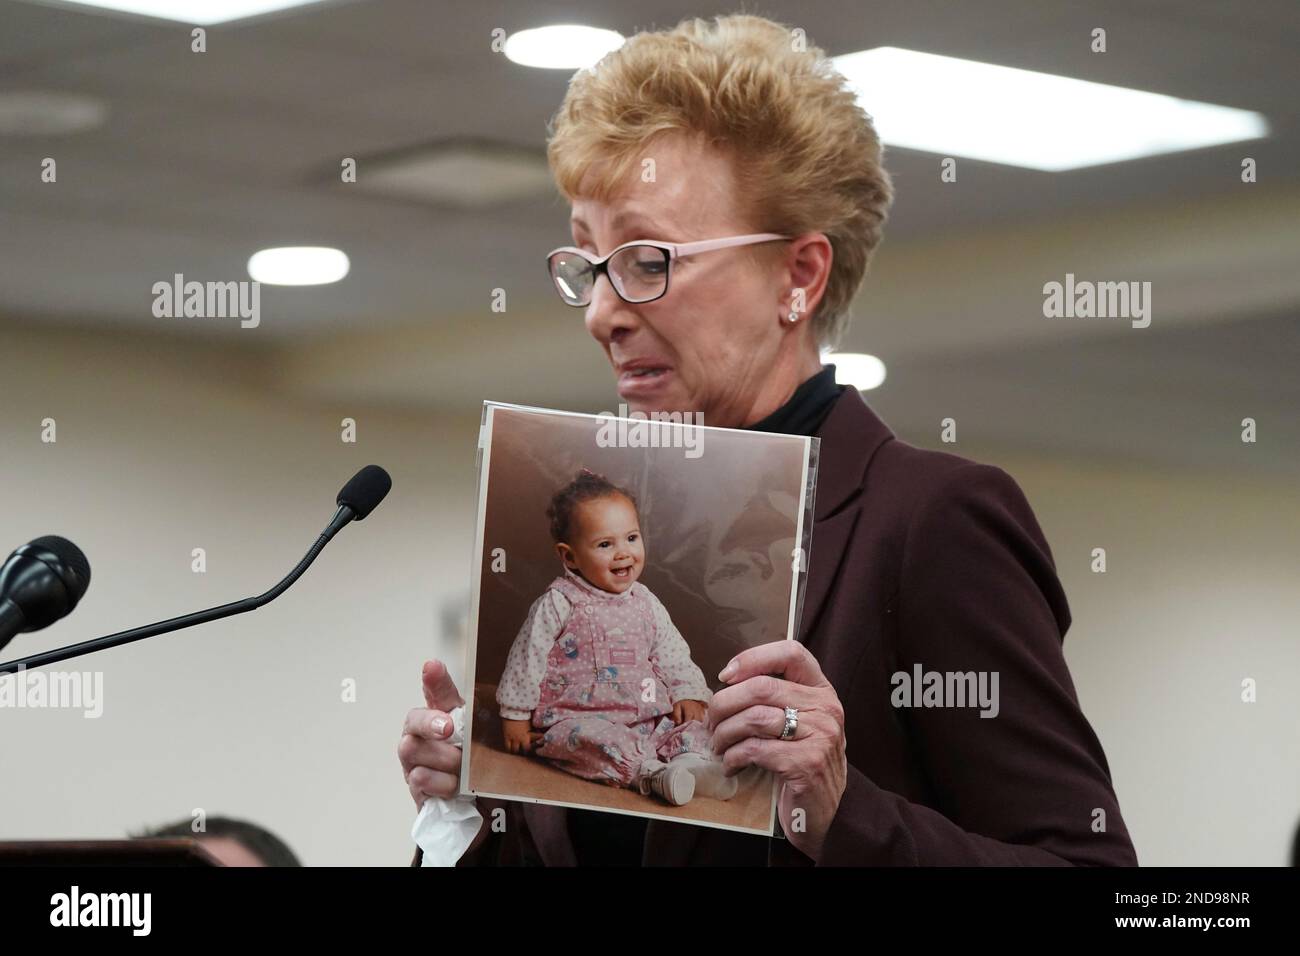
{"x": 922, "y": 563}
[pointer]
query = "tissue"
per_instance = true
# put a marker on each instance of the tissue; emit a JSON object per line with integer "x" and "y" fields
{"x": 445, "y": 827}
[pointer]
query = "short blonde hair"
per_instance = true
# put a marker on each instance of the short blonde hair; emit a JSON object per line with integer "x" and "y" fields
{"x": 806, "y": 156}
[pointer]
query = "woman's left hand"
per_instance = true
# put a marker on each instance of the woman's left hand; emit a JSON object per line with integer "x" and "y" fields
{"x": 747, "y": 718}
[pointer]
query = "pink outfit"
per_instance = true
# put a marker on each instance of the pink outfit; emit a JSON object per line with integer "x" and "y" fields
{"x": 599, "y": 672}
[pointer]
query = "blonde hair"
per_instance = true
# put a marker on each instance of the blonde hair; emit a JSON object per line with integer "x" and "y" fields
{"x": 806, "y": 156}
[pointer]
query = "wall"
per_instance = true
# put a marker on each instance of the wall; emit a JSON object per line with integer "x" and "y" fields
{"x": 163, "y": 448}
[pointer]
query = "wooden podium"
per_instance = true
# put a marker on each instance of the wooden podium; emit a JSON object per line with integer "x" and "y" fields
{"x": 160, "y": 852}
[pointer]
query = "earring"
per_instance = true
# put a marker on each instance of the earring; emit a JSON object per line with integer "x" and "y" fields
{"x": 792, "y": 317}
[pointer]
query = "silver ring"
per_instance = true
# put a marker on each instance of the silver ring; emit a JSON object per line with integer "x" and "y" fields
{"x": 791, "y": 723}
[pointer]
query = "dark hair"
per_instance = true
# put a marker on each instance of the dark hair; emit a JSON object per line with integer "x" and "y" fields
{"x": 586, "y": 486}
{"x": 259, "y": 841}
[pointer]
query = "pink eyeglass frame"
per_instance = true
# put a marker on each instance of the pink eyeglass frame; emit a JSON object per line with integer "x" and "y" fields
{"x": 674, "y": 250}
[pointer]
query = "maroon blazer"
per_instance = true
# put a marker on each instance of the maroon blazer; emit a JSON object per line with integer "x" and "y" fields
{"x": 918, "y": 558}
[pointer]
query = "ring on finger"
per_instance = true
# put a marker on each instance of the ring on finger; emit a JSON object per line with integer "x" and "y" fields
{"x": 791, "y": 724}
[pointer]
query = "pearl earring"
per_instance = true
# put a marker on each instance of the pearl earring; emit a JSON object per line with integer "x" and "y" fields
{"x": 792, "y": 317}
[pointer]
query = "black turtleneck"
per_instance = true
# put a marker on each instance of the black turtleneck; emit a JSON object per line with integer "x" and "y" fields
{"x": 807, "y": 407}
{"x": 614, "y": 839}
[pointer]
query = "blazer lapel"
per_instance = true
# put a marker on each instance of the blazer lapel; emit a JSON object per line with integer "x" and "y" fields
{"x": 829, "y": 540}
{"x": 850, "y": 436}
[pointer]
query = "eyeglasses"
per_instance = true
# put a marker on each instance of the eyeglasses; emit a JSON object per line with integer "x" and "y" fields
{"x": 638, "y": 270}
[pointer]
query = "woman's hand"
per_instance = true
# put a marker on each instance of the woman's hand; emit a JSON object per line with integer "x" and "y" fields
{"x": 520, "y": 736}
{"x": 685, "y": 710}
{"x": 747, "y": 717}
{"x": 430, "y": 764}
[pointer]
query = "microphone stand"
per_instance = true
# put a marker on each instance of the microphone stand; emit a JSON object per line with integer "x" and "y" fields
{"x": 341, "y": 518}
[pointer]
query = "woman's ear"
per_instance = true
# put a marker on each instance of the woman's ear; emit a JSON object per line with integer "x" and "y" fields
{"x": 808, "y": 265}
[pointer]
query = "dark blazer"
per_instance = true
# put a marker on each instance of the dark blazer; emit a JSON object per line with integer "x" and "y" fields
{"x": 918, "y": 558}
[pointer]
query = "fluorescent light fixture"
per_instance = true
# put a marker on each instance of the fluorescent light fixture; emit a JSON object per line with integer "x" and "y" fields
{"x": 36, "y": 113}
{"x": 200, "y": 12}
{"x": 298, "y": 265}
{"x": 998, "y": 114}
{"x": 561, "y": 47}
{"x": 863, "y": 372}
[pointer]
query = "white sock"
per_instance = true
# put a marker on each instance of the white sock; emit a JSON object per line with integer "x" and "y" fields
{"x": 710, "y": 780}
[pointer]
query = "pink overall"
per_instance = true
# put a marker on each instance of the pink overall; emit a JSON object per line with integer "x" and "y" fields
{"x": 602, "y": 703}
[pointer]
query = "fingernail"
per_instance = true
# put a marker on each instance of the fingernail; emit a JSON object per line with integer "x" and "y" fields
{"x": 438, "y": 724}
{"x": 727, "y": 671}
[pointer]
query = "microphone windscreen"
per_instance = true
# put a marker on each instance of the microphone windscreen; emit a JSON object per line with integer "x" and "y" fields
{"x": 70, "y": 556}
{"x": 365, "y": 490}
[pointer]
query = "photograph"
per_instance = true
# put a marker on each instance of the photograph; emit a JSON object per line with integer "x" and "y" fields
{"x": 699, "y": 435}
{"x": 620, "y": 563}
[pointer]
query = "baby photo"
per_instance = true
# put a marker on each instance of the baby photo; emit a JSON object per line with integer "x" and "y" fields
{"x": 615, "y": 576}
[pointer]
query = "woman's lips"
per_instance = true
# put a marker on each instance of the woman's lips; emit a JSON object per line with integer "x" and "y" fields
{"x": 639, "y": 382}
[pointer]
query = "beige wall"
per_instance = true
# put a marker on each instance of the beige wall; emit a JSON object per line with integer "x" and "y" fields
{"x": 163, "y": 448}
{"x": 1201, "y": 591}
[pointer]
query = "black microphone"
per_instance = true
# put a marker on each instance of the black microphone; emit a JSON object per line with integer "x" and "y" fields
{"x": 359, "y": 497}
{"x": 40, "y": 583}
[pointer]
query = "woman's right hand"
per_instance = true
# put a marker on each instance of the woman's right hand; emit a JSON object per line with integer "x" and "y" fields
{"x": 430, "y": 764}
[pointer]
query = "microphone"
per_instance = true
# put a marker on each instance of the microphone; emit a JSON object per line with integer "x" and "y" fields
{"x": 360, "y": 496}
{"x": 40, "y": 583}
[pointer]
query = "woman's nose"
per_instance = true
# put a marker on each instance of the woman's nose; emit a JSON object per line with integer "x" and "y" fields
{"x": 607, "y": 316}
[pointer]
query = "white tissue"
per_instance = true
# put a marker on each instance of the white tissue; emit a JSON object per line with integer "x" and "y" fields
{"x": 445, "y": 827}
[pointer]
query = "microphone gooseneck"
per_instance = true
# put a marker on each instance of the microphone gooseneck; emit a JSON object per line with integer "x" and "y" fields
{"x": 366, "y": 490}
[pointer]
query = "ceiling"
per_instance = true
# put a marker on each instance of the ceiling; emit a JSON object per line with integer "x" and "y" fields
{"x": 208, "y": 157}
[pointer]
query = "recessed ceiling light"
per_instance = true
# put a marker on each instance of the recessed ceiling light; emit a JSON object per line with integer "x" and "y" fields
{"x": 38, "y": 113}
{"x": 955, "y": 107}
{"x": 863, "y": 372}
{"x": 561, "y": 47}
{"x": 298, "y": 265}
{"x": 201, "y": 12}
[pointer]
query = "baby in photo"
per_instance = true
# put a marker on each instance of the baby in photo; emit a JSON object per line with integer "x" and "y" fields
{"x": 599, "y": 681}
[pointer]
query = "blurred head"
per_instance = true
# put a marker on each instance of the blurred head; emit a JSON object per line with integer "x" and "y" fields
{"x": 597, "y": 532}
{"x": 710, "y": 130}
{"x": 232, "y": 842}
